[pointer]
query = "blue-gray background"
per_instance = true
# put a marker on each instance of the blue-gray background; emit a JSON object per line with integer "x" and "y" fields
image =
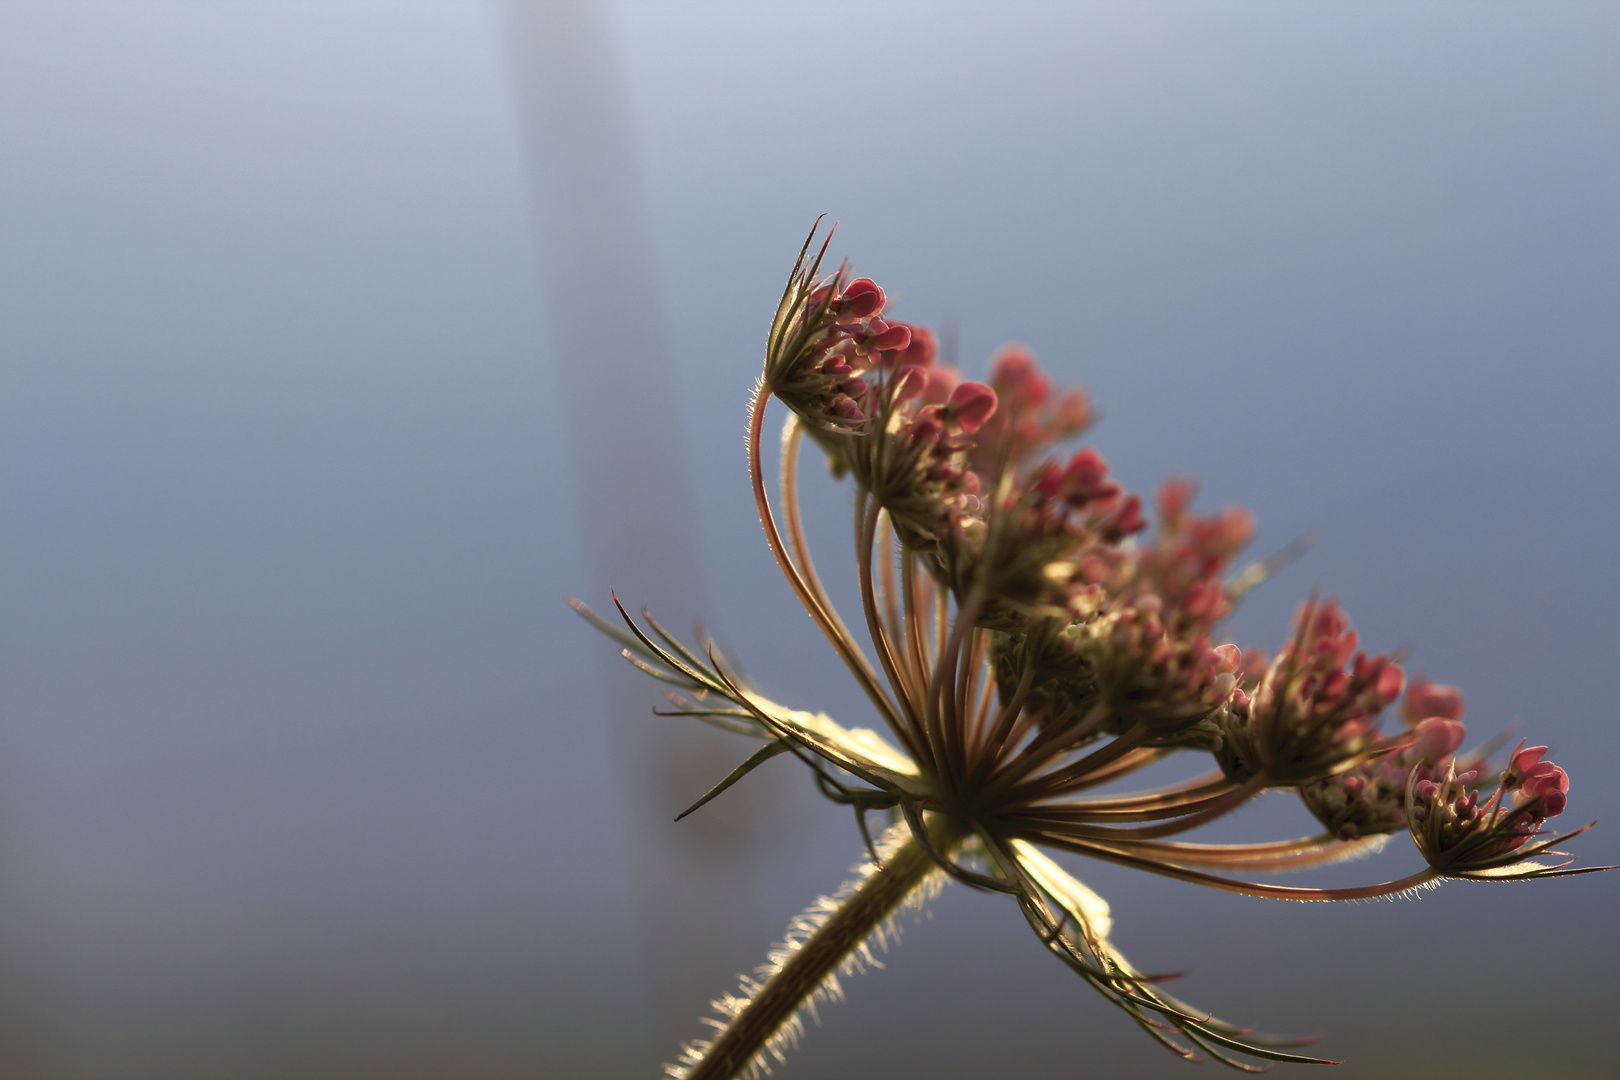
{"x": 306, "y": 771}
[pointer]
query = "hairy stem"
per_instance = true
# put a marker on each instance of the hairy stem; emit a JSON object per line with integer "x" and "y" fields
{"x": 906, "y": 868}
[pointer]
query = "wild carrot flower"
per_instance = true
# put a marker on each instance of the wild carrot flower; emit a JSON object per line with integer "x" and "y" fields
{"x": 1029, "y": 639}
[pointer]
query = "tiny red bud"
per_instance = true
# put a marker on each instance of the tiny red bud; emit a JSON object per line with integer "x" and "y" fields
{"x": 909, "y": 382}
{"x": 847, "y": 410}
{"x": 926, "y": 429}
{"x": 894, "y": 337}
{"x": 1425, "y": 699}
{"x": 1555, "y": 780}
{"x": 863, "y": 298}
{"x": 1524, "y": 761}
{"x": 924, "y": 348}
{"x": 1048, "y": 480}
{"x": 1390, "y": 681}
{"x": 1175, "y": 495}
{"x": 972, "y": 404}
{"x": 942, "y": 381}
{"x": 1014, "y": 372}
{"x": 1087, "y": 474}
{"x": 1129, "y": 520}
{"x": 1439, "y": 737}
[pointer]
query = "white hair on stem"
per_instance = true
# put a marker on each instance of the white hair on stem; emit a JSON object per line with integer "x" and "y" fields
{"x": 800, "y": 930}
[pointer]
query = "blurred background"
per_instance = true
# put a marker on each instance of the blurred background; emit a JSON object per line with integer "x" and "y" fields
{"x": 340, "y": 342}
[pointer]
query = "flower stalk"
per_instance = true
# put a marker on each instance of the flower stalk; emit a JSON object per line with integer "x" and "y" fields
{"x": 834, "y": 937}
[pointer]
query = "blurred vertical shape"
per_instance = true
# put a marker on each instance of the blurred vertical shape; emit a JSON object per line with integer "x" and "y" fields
{"x": 635, "y": 493}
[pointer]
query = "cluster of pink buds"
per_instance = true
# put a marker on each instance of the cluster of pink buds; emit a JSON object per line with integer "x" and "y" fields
{"x": 1370, "y": 798}
{"x": 1157, "y": 662}
{"x": 1462, "y": 837}
{"x": 914, "y": 462}
{"x": 920, "y": 458}
{"x": 822, "y": 357}
{"x": 1051, "y": 542}
{"x": 1531, "y": 780}
{"x": 1031, "y": 416}
{"x": 1084, "y": 486}
{"x": 1190, "y": 555}
{"x": 1311, "y": 717}
{"x": 1170, "y": 682}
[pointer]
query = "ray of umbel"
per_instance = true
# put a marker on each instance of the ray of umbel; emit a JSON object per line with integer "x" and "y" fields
{"x": 1029, "y": 639}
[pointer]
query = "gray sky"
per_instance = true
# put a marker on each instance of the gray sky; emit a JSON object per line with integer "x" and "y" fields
{"x": 304, "y": 768}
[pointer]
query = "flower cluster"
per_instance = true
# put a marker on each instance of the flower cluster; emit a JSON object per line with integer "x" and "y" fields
{"x": 1369, "y": 798}
{"x": 1030, "y": 637}
{"x": 1460, "y": 837}
{"x": 1316, "y": 709}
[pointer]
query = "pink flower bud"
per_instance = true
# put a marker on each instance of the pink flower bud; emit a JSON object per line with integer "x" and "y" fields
{"x": 1330, "y": 621}
{"x": 1129, "y": 520}
{"x": 942, "y": 381}
{"x": 1086, "y": 477}
{"x": 1328, "y": 633}
{"x": 1228, "y": 657}
{"x": 971, "y": 405}
{"x": 894, "y": 337}
{"x": 862, "y": 298}
{"x": 1071, "y": 412}
{"x": 1013, "y": 371}
{"x": 1383, "y": 677}
{"x": 1327, "y": 687}
{"x": 1203, "y": 600}
{"x": 1048, "y": 480}
{"x": 909, "y": 382}
{"x": 847, "y": 410}
{"x": 923, "y": 349}
{"x": 1390, "y": 681}
{"x": 1234, "y": 527}
{"x": 1555, "y": 780}
{"x": 1438, "y": 738}
{"x": 1525, "y": 761}
{"x": 1425, "y": 699}
{"x": 1175, "y": 495}
{"x": 926, "y": 429}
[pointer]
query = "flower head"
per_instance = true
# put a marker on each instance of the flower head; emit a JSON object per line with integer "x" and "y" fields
{"x": 1316, "y": 709}
{"x": 1462, "y": 837}
{"x": 1029, "y": 638}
